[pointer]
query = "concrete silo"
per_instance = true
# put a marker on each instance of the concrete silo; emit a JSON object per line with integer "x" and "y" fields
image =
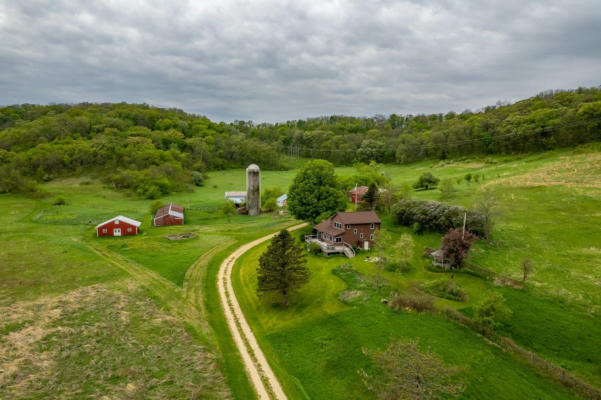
{"x": 253, "y": 189}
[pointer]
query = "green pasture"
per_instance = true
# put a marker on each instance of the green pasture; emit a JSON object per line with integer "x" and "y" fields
{"x": 549, "y": 211}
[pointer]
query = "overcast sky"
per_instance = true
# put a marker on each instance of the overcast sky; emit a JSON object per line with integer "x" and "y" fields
{"x": 279, "y": 60}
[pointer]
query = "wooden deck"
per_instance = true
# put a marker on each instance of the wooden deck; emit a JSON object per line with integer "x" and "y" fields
{"x": 329, "y": 248}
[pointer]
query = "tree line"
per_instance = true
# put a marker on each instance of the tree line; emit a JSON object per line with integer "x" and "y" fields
{"x": 153, "y": 151}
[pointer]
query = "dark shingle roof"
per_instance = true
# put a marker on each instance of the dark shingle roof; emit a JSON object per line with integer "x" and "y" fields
{"x": 359, "y": 217}
{"x": 327, "y": 227}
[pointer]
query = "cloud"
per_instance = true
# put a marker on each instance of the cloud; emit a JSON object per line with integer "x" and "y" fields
{"x": 278, "y": 60}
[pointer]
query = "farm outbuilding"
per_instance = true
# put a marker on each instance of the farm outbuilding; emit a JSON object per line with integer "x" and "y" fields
{"x": 355, "y": 195}
{"x": 282, "y": 200}
{"x": 118, "y": 226}
{"x": 171, "y": 214}
{"x": 238, "y": 197}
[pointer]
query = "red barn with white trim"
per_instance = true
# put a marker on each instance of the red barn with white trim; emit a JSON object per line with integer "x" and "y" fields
{"x": 355, "y": 195}
{"x": 118, "y": 226}
{"x": 171, "y": 214}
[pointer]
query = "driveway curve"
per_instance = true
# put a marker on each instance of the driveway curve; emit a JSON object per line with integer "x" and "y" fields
{"x": 260, "y": 373}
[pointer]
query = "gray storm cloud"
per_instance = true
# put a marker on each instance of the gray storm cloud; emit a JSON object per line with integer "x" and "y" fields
{"x": 275, "y": 60}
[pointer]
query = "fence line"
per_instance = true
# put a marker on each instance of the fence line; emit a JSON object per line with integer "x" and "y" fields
{"x": 541, "y": 365}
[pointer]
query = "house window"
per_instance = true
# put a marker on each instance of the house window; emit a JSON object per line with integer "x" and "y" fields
{"x": 104, "y": 230}
{"x": 129, "y": 230}
{"x": 338, "y": 240}
{"x": 355, "y": 231}
{"x": 360, "y": 236}
{"x": 348, "y": 227}
{"x": 371, "y": 237}
{"x": 337, "y": 225}
{"x": 117, "y": 222}
{"x": 371, "y": 226}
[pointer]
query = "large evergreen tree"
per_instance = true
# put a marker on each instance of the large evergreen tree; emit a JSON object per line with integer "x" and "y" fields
{"x": 282, "y": 268}
{"x": 371, "y": 196}
{"x": 315, "y": 191}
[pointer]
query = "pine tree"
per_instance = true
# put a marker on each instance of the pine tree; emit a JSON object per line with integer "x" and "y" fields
{"x": 371, "y": 195}
{"x": 282, "y": 268}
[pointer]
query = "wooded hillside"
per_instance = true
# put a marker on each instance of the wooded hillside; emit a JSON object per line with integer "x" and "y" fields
{"x": 154, "y": 151}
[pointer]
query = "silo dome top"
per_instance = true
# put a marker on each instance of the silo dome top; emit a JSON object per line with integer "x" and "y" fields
{"x": 252, "y": 167}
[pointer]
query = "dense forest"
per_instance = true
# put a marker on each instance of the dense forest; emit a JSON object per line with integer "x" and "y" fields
{"x": 153, "y": 151}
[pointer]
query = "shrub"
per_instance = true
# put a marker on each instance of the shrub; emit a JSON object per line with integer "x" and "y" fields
{"x": 197, "y": 178}
{"x": 154, "y": 206}
{"x": 314, "y": 248}
{"x": 412, "y": 300}
{"x": 426, "y": 181}
{"x": 492, "y": 311}
{"x": 59, "y": 201}
{"x": 446, "y": 289}
{"x": 270, "y": 205}
{"x": 447, "y": 189}
{"x": 436, "y": 216}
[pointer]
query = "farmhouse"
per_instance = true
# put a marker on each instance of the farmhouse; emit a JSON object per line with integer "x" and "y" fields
{"x": 238, "y": 197}
{"x": 282, "y": 200}
{"x": 345, "y": 230}
{"x": 171, "y": 214}
{"x": 355, "y": 195}
{"x": 118, "y": 226}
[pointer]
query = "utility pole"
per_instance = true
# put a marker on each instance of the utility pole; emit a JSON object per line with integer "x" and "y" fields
{"x": 355, "y": 196}
{"x": 464, "y": 219}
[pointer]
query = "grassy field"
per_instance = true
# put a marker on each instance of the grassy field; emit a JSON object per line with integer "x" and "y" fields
{"x": 135, "y": 311}
{"x": 549, "y": 212}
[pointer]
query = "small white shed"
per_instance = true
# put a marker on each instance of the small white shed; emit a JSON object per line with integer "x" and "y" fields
{"x": 282, "y": 200}
{"x": 237, "y": 197}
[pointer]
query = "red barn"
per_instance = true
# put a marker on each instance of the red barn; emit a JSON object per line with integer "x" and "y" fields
{"x": 118, "y": 226}
{"x": 356, "y": 194}
{"x": 171, "y": 214}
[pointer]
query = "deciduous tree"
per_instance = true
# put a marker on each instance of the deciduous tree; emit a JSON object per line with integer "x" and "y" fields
{"x": 426, "y": 181}
{"x": 402, "y": 371}
{"x": 315, "y": 191}
{"x": 527, "y": 268}
{"x": 403, "y": 250}
{"x": 456, "y": 246}
{"x": 228, "y": 208}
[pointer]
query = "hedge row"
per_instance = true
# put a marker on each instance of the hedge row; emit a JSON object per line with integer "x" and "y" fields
{"x": 436, "y": 216}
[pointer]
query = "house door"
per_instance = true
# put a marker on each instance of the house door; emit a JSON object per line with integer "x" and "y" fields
{"x": 117, "y": 232}
{"x": 366, "y": 245}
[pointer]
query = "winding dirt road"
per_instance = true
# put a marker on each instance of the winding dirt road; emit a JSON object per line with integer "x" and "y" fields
{"x": 260, "y": 373}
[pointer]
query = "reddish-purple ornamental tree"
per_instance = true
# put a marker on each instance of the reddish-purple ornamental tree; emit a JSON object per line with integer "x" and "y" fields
{"x": 456, "y": 246}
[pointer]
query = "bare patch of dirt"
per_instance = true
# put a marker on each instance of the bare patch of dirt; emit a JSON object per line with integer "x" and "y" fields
{"x": 188, "y": 235}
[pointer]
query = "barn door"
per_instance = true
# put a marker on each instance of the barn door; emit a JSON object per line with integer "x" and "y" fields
{"x": 117, "y": 232}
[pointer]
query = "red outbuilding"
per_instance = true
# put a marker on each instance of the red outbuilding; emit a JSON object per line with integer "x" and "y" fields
{"x": 118, "y": 226}
{"x": 171, "y": 214}
{"x": 355, "y": 195}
